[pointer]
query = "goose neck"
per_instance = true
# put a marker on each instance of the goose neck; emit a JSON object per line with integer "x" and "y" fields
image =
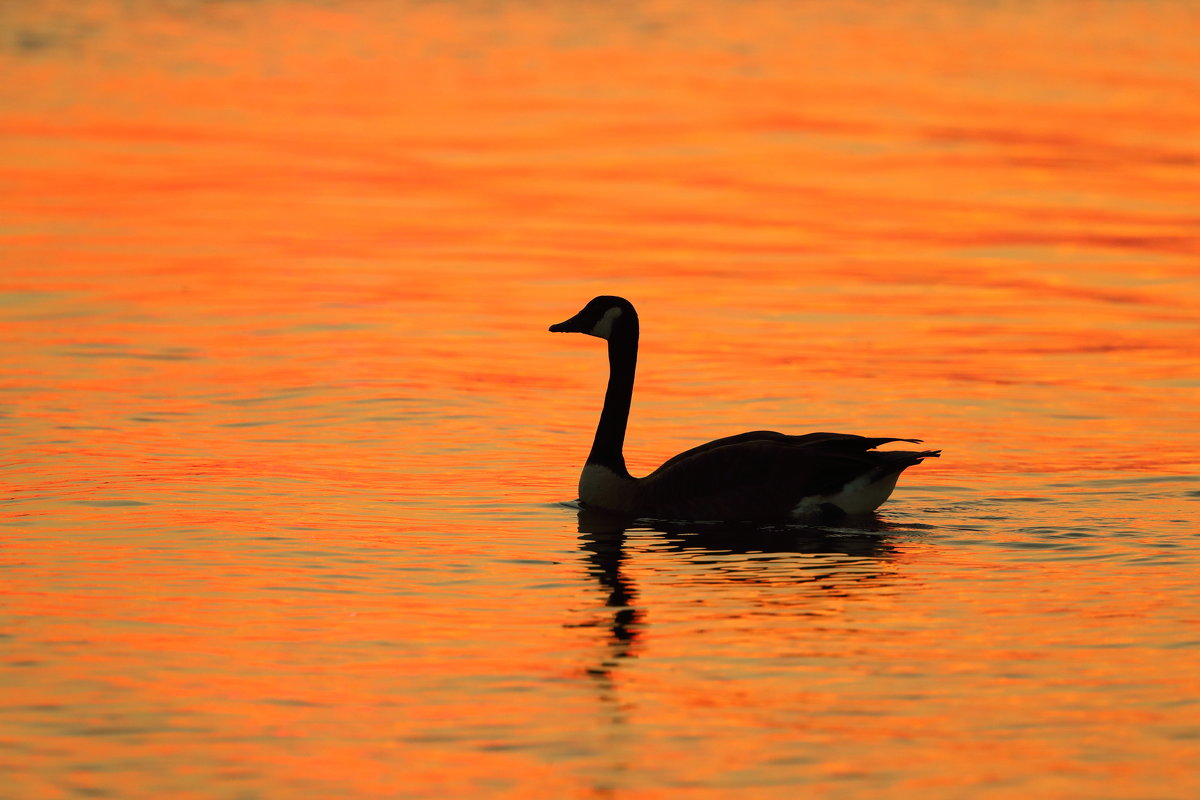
{"x": 608, "y": 446}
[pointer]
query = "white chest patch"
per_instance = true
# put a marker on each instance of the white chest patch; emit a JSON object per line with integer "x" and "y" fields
{"x": 600, "y": 487}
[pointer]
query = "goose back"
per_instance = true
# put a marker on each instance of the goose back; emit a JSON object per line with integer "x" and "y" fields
{"x": 761, "y": 475}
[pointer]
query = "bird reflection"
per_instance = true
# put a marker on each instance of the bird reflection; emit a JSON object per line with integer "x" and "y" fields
{"x": 602, "y": 540}
{"x": 791, "y": 563}
{"x": 866, "y": 540}
{"x": 856, "y": 555}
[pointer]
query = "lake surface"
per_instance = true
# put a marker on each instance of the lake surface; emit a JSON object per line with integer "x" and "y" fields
{"x": 287, "y": 491}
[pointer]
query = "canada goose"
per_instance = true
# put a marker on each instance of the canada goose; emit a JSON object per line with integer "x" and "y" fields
{"x": 754, "y": 476}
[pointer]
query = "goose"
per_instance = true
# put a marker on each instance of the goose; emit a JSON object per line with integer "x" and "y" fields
{"x": 758, "y": 476}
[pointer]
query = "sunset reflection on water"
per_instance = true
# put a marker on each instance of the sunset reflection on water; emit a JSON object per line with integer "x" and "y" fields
{"x": 288, "y": 505}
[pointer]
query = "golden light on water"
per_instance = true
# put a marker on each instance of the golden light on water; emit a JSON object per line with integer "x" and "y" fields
{"x": 289, "y": 440}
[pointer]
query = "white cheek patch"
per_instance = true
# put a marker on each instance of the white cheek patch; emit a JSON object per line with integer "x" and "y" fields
{"x": 603, "y": 328}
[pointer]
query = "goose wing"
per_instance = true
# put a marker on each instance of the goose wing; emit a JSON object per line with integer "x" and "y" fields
{"x": 841, "y": 442}
{"x": 765, "y": 474}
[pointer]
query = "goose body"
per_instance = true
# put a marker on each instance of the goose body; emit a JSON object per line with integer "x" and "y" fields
{"x": 753, "y": 476}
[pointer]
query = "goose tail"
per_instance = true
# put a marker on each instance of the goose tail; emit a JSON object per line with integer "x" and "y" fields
{"x": 898, "y": 460}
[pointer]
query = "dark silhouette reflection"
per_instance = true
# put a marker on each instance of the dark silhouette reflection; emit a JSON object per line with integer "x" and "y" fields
{"x": 603, "y": 541}
{"x": 793, "y": 565}
{"x": 867, "y": 539}
{"x": 857, "y": 556}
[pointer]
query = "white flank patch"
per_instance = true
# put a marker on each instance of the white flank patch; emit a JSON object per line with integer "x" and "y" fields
{"x": 600, "y": 487}
{"x": 859, "y": 496}
{"x": 603, "y": 328}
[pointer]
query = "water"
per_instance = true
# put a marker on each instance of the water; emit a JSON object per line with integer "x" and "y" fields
{"x": 291, "y": 454}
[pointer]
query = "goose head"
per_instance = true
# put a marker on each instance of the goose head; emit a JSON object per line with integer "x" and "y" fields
{"x": 605, "y": 317}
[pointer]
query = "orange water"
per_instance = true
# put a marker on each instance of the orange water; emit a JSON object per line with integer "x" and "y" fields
{"x": 289, "y": 443}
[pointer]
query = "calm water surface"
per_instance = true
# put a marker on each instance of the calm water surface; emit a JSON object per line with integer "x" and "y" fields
{"x": 291, "y": 455}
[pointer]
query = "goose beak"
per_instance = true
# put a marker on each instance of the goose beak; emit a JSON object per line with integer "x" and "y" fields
{"x": 569, "y": 326}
